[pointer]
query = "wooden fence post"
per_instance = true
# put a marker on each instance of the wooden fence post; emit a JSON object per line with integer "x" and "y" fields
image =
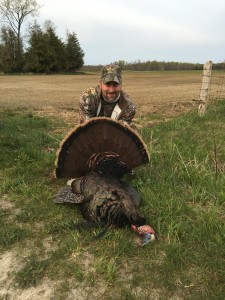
{"x": 205, "y": 89}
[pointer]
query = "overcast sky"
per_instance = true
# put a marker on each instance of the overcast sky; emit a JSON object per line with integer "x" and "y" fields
{"x": 131, "y": 30}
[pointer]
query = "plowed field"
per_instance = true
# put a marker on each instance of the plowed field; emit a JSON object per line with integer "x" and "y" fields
{"x": 165, "y": 93}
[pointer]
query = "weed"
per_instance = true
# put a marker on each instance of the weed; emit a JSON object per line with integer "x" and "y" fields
{"x": 32, "y": 272}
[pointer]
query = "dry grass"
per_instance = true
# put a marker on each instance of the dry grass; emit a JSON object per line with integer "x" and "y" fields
{"x": 165, "y": 93}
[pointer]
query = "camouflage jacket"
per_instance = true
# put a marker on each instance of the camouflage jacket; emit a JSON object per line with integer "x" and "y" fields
{"x": 92, "y": 105}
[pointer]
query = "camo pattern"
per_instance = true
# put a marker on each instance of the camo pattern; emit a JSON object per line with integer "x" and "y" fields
{"x": 111, "y": 73}
{"x": 89, "y": 103}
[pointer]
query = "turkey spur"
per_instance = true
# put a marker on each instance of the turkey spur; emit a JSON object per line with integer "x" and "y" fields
{"x": 103, "y": 200}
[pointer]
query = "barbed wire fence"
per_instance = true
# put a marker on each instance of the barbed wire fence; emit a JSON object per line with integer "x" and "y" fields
{"x": 217, "y": 85}
{"x": 212, "y": 88}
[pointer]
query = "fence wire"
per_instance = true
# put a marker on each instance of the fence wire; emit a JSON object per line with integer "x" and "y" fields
{"x": 217, "y": 87}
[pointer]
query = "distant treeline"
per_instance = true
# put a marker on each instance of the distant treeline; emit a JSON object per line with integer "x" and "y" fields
{"x": 155, "y": 66}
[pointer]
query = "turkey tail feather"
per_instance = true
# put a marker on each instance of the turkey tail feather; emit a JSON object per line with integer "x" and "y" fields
{"x": 105, "y": 140}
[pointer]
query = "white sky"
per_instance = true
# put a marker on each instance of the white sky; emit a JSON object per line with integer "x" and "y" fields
{"x": 131, "y": 30}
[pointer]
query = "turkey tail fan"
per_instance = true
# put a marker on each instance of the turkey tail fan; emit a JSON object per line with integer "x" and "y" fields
{"x": 103, "y": 145}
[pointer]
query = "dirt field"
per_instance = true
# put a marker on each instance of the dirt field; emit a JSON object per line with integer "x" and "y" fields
{"x": 164, "y": 93}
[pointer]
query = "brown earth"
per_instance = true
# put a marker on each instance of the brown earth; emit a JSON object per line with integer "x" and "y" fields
{"x": 164, "y": 93}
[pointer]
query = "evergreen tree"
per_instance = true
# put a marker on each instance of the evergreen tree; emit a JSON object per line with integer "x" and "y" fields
{"x": 8, "y": 50}
{"x": 74, "y": 53}
{"x": 46, "y": 53}
{"x": 35, "y": 55}
{"x": 55, "y": 56}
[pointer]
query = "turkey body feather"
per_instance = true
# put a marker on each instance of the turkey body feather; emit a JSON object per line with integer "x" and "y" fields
{"x": 103, "y": 199}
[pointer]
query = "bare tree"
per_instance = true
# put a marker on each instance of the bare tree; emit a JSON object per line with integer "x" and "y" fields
{"x": 14, "y": 13}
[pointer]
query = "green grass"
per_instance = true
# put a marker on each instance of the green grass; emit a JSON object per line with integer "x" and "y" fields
{"x": 183, "y": 200}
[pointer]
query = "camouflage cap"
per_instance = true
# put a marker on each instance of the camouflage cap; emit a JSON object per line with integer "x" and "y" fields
{"x": 111, "y": 73}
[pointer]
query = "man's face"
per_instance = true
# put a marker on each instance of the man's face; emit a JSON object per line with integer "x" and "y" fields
{"x": 110, "y": 90}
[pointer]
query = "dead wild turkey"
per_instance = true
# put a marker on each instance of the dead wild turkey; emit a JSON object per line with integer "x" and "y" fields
{"x": 96, "y": 155}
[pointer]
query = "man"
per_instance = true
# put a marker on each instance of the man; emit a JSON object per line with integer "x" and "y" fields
{"x": 107, "y": 99}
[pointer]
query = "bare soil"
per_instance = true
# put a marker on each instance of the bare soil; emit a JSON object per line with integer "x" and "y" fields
{"x": 164, "y": 93}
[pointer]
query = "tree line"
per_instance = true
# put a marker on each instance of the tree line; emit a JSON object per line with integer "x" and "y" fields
{"x": 41, "y": 50}
{"x": 149, "y": 66}
{"x": 156, "y": 66}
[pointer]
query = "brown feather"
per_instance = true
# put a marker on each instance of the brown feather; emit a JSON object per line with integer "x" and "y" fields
{"x": 101, "y": 143}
